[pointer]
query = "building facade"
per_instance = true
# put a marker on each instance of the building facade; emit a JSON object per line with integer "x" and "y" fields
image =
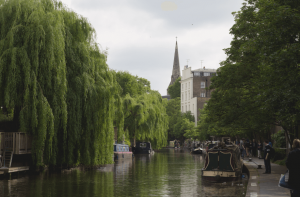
{"x": 194, "y": 89}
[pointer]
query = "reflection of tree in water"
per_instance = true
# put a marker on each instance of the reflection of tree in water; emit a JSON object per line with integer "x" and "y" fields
{"x": 73, "y": 183}
{"x": 233, "y": 188}
{"x": 168, "y": 172}
{"x": 147, "y": 176}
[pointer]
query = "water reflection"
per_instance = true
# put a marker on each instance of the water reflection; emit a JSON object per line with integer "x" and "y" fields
{"x": 166, "y": 173}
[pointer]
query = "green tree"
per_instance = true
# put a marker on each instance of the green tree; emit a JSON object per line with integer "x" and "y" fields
{"x": 258, "y": 84}
{"x": 174, "y": 89}
{"x": 56, "y": 80}
{"x": 183, "y": 125}
{"x": 144, "y": 110}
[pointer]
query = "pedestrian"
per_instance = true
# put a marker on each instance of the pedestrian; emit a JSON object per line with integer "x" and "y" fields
{"x": 270, "y": 143}
{"x": 259, "y": 149}
{"x": 247, "y": 147}
{"x": 250, "y": 148}
{"x": 293, "y": 163}
{"x": 241, "y": 148}
{"x": 267, "y": 157}
{"x": 254, "y": 148}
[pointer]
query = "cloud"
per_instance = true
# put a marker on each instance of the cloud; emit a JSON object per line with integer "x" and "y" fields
{"x": 168, "y": 6}
{"x": 141, "y": 35}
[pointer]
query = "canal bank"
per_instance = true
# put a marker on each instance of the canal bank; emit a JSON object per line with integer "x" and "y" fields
{"x": 264, "y": 185}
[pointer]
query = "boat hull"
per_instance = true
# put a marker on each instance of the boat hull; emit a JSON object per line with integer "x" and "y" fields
{"x": 220, "y": 176}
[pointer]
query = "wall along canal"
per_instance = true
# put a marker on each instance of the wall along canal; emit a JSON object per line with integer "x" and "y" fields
{"x": 168, "y": 172}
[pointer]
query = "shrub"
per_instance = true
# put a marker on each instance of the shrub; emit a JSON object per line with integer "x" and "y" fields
{"x": 279, "y": 154}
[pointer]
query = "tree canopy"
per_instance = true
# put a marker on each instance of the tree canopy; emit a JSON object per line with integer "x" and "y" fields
{"x": 174, "y": 89}
{"x": 55, "y": 78}
{"x": 258, "y": 84}
{"x": 144, "y": 110}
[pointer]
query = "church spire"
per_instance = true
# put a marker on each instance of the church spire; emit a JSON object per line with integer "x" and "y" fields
{"x": 176, "y": 66}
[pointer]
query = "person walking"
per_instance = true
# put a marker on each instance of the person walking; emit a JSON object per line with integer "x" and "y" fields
{"x": 241, "y": 148}
{"x": 247, "y": 147}
{"x": 259, "y": 149}
{"x": 293, "y": 163}
{"x": 267, "y": 157}
{"x": 250, "y": 148}
{"x": 254, "y": 148}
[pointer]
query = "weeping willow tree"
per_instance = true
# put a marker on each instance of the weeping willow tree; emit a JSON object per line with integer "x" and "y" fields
{"x": 55, "y": 78}
{"x": 144, "y": 110}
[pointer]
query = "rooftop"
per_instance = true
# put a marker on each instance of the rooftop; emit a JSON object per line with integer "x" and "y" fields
{"x": 205, "y": 70}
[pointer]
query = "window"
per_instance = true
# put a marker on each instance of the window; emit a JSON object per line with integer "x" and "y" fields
{"x": 189, "y": 85}
{"x": 189, "y": 108}
{"x": 182, "y": 108}
{"x": 143, "y": 145}
{"x": 182, "y": 97}
{"x": 182, "y": 87}
{"x": 185, "y": 108}
{"x": 185, "y": 96}
{"x": 206, "y": 74}
{"x": 189, "y": 95}
{"x": 202, "y": 84}
{"x": 185, "y": 85}
{"x": 202, "y": 94}
{"x": 196, "y": 74}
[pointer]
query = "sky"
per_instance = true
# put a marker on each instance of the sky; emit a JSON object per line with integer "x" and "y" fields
{"x": 140, "y": 35}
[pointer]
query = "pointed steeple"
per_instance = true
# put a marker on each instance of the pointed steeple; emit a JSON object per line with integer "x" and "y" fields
{"x": 176, "y": 66}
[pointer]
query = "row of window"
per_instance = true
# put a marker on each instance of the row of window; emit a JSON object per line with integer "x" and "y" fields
{"x": 186, "y": 96}
{"x": 205, "y": 74}
{"x": 186, "y": 87}
{"x": 202, "y": 85}
{"x": 202, "y": 94}
{"x": 186, "y": 108}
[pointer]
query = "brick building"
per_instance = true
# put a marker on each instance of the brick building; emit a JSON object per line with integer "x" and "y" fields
{"x": 194, "y": 89}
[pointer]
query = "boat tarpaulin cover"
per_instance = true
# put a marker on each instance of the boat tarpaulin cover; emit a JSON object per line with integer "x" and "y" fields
{"x": 212, "y": 161}
{"x": 225, "y": 161}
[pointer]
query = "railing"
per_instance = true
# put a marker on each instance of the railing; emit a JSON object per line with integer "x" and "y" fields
{"x": 18, "y": 142}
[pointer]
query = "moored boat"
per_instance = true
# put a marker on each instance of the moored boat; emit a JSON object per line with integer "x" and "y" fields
{"x": 197, "y": 150}
{"x": 121, "y": 152}
{"x": 142, "y": 148}
{"x": 222, "y": 163}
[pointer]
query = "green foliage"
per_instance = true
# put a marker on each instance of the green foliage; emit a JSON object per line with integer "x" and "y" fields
{"x": 281, "y": 162}
{"x": 189, "y": 129}
{"x": 257, "y": 85}
{"x": 279, "y": 139}
{"x": 181, "y": 125}
{"x": 175, "y": 89}
{"x": 206, "y": 128}
{"x": 55, "y": 81}
{"x": 54, "y": 76}
{"x": 184, "y": 127}
{"x": 144, "y": 110}
{"x": 280, "y": 154}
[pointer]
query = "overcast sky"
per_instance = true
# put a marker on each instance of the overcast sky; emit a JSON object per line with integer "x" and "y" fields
{"x": 140, "y": 35}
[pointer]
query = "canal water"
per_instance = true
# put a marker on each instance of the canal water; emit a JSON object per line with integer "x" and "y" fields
{"x": 168, "y": 172}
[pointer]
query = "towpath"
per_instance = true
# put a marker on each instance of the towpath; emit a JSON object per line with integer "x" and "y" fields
{"x": 264, "y": 185}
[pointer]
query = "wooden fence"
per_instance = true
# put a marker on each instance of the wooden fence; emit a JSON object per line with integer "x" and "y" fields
{"x": 18, "y": 142}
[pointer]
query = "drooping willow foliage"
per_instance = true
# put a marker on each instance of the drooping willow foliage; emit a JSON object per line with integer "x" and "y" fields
{"x": 145, "y": 116}
{"x": 56, "y": 79}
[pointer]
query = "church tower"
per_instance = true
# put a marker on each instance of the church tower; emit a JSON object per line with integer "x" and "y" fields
{"x": 176, "y": 66}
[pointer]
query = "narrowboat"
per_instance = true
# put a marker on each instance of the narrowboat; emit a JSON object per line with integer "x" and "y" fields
{"x": 197, "y": 150}
{"x": 121, "y": 152}
{"x": 142, "y": 148}
{"x": 222, "y": 163}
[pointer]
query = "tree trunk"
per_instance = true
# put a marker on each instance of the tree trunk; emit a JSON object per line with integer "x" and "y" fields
{"x": 16, "y": 119}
